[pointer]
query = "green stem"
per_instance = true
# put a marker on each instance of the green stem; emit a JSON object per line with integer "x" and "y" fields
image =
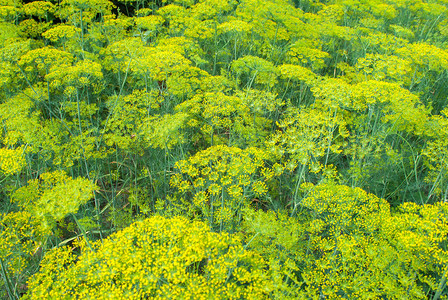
{"x": 8, "y": 284}
{"x": 82, "y": 231}
{"x": 299, "y": 181}
{"x": 441, "y": 287}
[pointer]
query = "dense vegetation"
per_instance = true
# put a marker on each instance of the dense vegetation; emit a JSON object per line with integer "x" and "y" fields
{"x": 224, "y": 149}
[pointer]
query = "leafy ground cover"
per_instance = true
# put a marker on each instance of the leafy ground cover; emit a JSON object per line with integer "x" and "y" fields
{"x": 223, "y": 149}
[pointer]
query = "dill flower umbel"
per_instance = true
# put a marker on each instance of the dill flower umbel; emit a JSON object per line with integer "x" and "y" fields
{"x": 11, "y": 161}
{"x": 155, "y": 258}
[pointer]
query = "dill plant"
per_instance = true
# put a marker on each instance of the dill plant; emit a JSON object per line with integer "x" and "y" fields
{"x": 347, "y": 243}
{"x": 315, "y": 132}
{"x": 220, "y": 181}
{"x": 155, "y": 258}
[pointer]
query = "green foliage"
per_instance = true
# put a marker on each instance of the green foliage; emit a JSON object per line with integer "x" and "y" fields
{"x": 243, "y": 119}
{"x": 347, "y": 243}
{"x": 220, "y": 181}
{"x": 54, "y": 195}
{"x": 25, "y": 233}
{"x": 314, "y": 131}
{"x": 22, "y": 237}
{"x": 435, "y": 155}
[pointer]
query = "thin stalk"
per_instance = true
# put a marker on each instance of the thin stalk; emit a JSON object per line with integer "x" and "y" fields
{"x": 441, "y": 287}
{"x": 299, "y": 181}
{"x": 416, "y": 159}
{"x": 97, "y": 205}
{"x": 215, "y": 49}
{"x": 330, "y": 140}
{"x": 11, "y": 293}
{"x": 245, "y": 246}
{"x": 222, "y": 207}
{"x": 82, "y": 34}
{"x": 84, "y": 233}
{"x": 115, "y": 104}
{"x": 436, "y": 183}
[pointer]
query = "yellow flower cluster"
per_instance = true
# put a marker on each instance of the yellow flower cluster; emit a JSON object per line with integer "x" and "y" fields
{"x": 112, "y": 30}
{"x": 343, "y": 208}
{"x": 156, "y": 64}
{"x": 20, "y": 123}
{"x": 150, "y": 23}
{"x": 165, "y": 132}
{"x": 39, "y": 9}
{"x": 53, "y": 196}
{"x": 45, "y": 58}
{"x": 347, "y": 243}
{"x": 21, "y": 235}
{"x": 119, "y": 54}
{"x": 222, "y": 178}
{"x": 61, "y": 33}
{"x": 306, "y": 135}
{"x": 11, "y": 160}
{"x": 185, "y": 81}
{"x": 157, "y": 258}
{"x": 364, "y": 115}
{"x": 84, "y": 73}
{"x": 270, "y": 20}
{"x": 242, "y": 119}
{"x": 402, "y": 108}
{"x": 234, "y": 26}
{"x": 425, "y": 56}
{"x": 124, "y": 127}
{"x": 34, "y": 29}
{"x": 297, "y": 73}
{"x": 258, "y": 70}
{"x": 295, "y": 108}
{"x": 384, "y": 68}
{"x": 70, "y": 10}
{"x": 305, "y": 53}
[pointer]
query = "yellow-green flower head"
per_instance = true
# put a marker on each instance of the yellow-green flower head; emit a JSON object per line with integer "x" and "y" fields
{"x": 156, "y": 258}
{"x": 11, "y": 161}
